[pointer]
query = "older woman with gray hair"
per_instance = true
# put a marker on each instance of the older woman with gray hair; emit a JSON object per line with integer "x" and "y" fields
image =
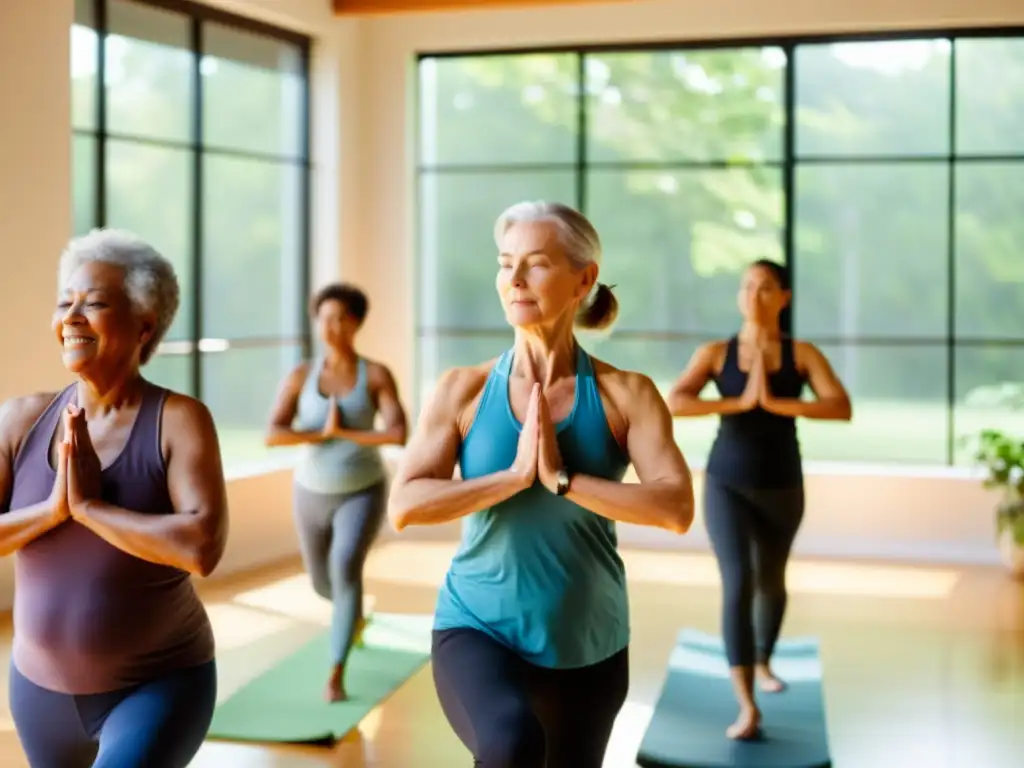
{"x": 112, "y": 495}
{"x": 531, "y": 631}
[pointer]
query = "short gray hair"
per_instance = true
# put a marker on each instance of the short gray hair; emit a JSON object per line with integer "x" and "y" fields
{"x": 149, "y": 278}
{"x": 582, "y": 246}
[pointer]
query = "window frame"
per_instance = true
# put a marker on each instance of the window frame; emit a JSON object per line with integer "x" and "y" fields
{"x": 198, "y": 345}
{"x": 950, "y": 341}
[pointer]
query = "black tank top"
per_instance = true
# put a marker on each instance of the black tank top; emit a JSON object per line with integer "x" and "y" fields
{"x": 757, "y": 449}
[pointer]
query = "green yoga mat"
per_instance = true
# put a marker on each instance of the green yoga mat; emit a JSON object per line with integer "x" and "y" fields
{"x": 285, "y": 704}
{"x": 696, "y": 705}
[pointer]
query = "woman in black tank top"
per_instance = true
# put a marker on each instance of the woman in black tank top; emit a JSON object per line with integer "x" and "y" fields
{"x": 753, "y": 485}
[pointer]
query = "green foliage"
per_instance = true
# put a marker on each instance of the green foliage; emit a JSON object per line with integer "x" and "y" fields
{"x": 681, "y": 174}
{"x": 1002, "y": 456}
{"x": 250, "y": 181}
{"x": 1001, "y": 453}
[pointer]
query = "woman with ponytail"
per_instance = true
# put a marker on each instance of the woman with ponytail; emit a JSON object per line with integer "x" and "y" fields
{"x": 753, "y": 486}
{"x": 531, "y": 632}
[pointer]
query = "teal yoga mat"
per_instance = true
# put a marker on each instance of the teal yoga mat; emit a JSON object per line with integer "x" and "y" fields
{"x": 696, "y": 705}
{"x": 285, "y": 704}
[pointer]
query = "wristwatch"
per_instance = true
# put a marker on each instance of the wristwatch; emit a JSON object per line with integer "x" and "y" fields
{"x": 562, "y": 482}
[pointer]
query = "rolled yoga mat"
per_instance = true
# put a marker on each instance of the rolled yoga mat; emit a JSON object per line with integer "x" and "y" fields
{"x": 696, "y": 705}
{"x": 285, "y": 704}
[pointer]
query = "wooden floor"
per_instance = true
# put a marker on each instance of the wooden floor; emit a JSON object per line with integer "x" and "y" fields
{"x": 923, "y": 666}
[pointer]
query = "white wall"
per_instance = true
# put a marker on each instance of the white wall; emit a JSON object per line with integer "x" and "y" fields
{"x": 364, "y": 73}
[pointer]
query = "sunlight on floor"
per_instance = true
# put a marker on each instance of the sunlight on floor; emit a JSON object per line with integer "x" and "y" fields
{"x": 236, "y": 626}
{"x": 699, "y": 569}
{"x": 294, "y": 598}
{"x": 370, "y": 725}
{"x": 417, "y": 563}
{"x": 217, "y": 755}
{"x": 630, "y": 726}
{"x": 425, "y": 563}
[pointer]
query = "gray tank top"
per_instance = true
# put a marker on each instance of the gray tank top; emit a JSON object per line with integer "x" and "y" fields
{"x": 337, "y": 466}
{"x": 89, "y": 617}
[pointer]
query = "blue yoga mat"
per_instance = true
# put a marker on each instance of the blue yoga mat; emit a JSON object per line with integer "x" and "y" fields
{"x": 696, "y": 705}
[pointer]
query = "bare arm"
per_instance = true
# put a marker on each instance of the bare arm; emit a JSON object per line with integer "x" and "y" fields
{"x": 831, "y": 399}
{"x": 390, "y": 408}
{"x": 279, "y": 431}
{"x": 664, "y": 496}
{"x": 194, "y": 536}
{"x": 424, "y": 491}
{"x": 19, "y": 527}
{"x": 684, "y": 398}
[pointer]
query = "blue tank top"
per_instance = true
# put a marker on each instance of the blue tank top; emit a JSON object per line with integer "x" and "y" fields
{"x": 537, "y": 572}
{"x": 337, "y": 466}
{"x": 758, "y": 449}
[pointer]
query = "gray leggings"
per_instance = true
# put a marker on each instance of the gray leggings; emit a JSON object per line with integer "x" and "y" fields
{"x": 752, "y": 532}
{"x": 336, "y": 531}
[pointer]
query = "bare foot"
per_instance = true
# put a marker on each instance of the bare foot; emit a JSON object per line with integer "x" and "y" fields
{"x": 747, "y": 725}
{"x": 767, "y": 680}
{"x": 335, "y": 690}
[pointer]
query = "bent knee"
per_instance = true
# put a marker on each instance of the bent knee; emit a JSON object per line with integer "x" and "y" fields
{"x": 514, "y": 740}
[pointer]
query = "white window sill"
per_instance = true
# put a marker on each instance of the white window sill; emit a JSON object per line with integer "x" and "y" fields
{"x": 245, "y": 469}
{"x": 393, "y": 455}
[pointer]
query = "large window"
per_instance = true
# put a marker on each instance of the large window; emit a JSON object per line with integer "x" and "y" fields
{"x": 888, "y": 175}
{"x": 190, "y": 129}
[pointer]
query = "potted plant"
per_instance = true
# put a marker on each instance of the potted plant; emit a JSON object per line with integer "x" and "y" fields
{"x": 1001, "y": 454}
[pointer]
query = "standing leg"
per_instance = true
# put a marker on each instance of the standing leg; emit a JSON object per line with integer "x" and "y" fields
{"x": 484, "y": 690}
{"x": 160, "y": 724}
{"x": 727, "y": 517}
{"x": 776, "y": 526}
{"x": 312, "y": 513}
{"x": 355, "y": 525}
{"x": 48, "y": 725}
{"x": 580, "y": 709}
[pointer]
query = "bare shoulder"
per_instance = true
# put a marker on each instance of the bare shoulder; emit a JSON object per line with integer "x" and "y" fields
{"x": 187, "y": 417}
{"x": 459, "y": 387}
{"x": 627, "y": 397}
{"x": 624, "y": 386}
{"x": 297, "y": 375}
{"x": 378, "y": 373}
{"x": 18, "y": 414}
{"x": 806, "y": 354}
{"x": 712, "y": 354}
{"x": 454, "y": 395}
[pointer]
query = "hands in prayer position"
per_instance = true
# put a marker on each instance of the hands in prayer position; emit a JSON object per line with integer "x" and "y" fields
{"x": 78, "y": 468}
{"x": 758, "y": 393}
{"x": 538, "y": 455}
{"x": 334, "y": 427}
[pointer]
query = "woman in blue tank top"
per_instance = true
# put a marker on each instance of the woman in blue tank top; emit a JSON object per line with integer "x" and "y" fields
{"x": 532, "y": 623}
{"x": 329, "y": 406}
{"x": 753, "y": 487}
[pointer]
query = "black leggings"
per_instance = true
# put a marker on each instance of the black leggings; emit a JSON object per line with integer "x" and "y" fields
{"x": 752, "y": 532}
{"x": 512, "y": 714}
{"x": 159, "y": 724}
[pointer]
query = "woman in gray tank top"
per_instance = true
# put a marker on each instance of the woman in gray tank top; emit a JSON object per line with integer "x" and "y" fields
{"x": 111, "y": 496}
{"x": 329, "y": 407}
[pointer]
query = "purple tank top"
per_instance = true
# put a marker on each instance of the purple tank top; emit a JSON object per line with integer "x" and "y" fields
{"x": 89, "y": 617}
